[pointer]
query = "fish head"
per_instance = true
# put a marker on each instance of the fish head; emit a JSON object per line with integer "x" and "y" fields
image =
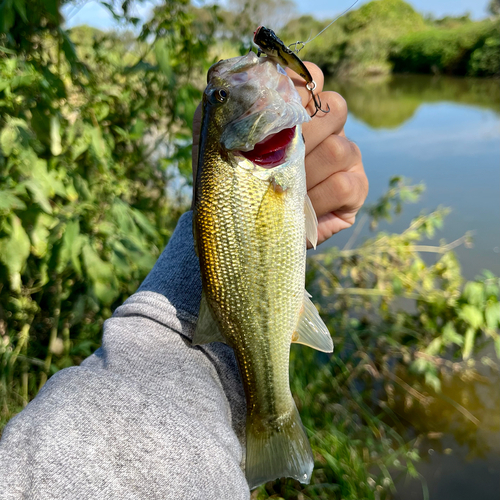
{"x": 253, "y": 108}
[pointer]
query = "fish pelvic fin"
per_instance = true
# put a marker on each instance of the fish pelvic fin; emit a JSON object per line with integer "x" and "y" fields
{"x": 311, "y": 222}
{"x": 274, "y": 452}
{"x": 311, "y": 330}
{"x": 206, "y": 328}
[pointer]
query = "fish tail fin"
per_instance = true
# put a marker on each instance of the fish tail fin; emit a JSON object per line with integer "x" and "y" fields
{"x": 278, "y": 452}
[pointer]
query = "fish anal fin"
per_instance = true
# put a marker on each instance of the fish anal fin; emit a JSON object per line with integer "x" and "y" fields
{"x": 206, "y": 328}
{"x": 311, "y": 330}
{"x": 311, "y": 222}
{"x": 277, "y": 451}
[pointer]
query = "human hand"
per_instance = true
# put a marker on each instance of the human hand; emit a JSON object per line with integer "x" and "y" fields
{"x": 336, "y": 180}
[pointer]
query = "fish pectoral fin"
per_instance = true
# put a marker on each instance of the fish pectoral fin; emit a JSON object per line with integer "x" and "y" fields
{"x": 311, "y": 330}
{"x": 206, "y": 328}
{"x": 311, "y": 222}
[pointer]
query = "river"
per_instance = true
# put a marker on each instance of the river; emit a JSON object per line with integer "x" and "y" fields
{"x": 444, "y": 132}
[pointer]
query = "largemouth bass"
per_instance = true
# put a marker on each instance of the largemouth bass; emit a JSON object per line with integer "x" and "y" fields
{"x": 251, "y": 219}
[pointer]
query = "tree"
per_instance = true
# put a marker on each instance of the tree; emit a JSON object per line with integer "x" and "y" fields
{"x": 253, "y": 13}
{"x": 494, "y": 7}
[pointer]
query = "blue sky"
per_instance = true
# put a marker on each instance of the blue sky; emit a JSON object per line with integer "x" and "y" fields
{"x": 94, "y": 15}
{"x": 438, "y": 8}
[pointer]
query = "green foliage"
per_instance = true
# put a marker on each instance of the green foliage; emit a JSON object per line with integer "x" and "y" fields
{"x": 470, "y": 49}
{"x": 359, "y": 42}
{"x": 485, "y": 60}
{"x": 84, "y": 118}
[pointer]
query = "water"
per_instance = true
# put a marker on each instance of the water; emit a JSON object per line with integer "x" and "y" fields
{"x": 444, "y": 132}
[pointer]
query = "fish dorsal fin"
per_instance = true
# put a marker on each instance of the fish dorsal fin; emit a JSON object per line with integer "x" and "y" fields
{"x": 311, "y": 330}
{"x": 311, "y": 222}
{"x": 206, "y": 328}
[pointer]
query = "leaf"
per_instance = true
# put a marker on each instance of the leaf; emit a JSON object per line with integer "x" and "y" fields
{"x": 492, "y": 314}
{"x": 474, "y": 293}
{"x": 14, "y": 251}
{"x": 69, "y": 242}
{"x": 38, "y": 194}
{"x": 137, "y": 130}
{"x": 7, "y": 17}
{"x": 97, "y": 141}
{"x": 40, "y": 234}
{"x": 7, "y": 51}
{"x": 450, "y": 335}
{"x": 470, "y": 335}
{"x": 8, "y": 139}
{"x": 163, "y": 57}
{"x": 143, "y": 222}
{"x": 9, "y": 201}
{"x": 69, "y": 50}
{"x": 71, "y": 192}
{"x": 80, "y": 146}
{"x": 434, "y": 347}
{"x": 101, "y": 273}
{"x": 432, "y": 380}
{"x": 397, "y": 285}
{"x": 21, "y": 9}
{"x": 472, "y": 316}
{"x": 55, "y": 136}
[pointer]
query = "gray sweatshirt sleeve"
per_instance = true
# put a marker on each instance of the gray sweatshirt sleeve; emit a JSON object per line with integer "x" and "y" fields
{"x": 147, "y": 415}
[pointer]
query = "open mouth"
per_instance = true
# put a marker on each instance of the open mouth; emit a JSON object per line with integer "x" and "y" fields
{"x": 271, "y": 152}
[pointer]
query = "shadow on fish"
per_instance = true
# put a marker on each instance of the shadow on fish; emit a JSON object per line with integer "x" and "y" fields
{"x": 251, "y": 219}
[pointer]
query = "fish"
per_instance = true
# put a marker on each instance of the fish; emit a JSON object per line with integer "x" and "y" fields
{"x": 251, "y": 219}
{"x": 270, "y": 44}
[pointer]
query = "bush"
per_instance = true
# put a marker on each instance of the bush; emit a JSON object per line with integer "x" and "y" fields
{"x": 465, "y": 50}
{"x": 83, "y": 184}
{"x": 359, "y": 42}
{"x": 485, "y": 60}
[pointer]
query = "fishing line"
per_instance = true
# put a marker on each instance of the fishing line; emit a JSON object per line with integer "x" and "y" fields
{"x": 303, "y": 44}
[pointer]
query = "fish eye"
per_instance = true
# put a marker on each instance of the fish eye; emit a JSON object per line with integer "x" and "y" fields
{"x": 220, "y": 95}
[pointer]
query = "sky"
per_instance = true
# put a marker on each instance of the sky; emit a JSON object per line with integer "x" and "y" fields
{"x": 94, "y": 15}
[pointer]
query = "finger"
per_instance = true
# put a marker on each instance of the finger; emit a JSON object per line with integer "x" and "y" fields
{"x": 334, "y": 154}
{"x": 342, "y": 194}
{"x": 300, "y": 83}
{"x": 325, "y": 124}
{"x": 330, "y": 224}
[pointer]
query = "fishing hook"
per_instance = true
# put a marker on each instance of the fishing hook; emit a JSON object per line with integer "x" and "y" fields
{"x": 316, "y": 99}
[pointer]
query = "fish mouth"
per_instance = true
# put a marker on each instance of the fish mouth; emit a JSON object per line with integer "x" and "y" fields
{"x": 271, "y": 151}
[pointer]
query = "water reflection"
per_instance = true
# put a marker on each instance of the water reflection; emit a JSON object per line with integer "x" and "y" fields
{"x": 390, "y": 101}
{"x": 462, "y": 457}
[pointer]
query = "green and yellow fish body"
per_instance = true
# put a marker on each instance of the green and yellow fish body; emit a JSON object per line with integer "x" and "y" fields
{"x": 251, "y": 215}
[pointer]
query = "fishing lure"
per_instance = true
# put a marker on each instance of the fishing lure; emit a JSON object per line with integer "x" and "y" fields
{"x": 271, "y": 45}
